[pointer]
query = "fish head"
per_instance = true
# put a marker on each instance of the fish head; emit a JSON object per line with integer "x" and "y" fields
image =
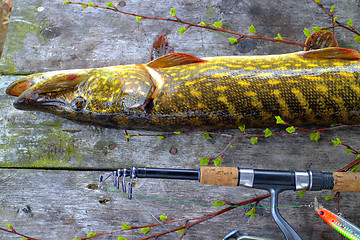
{"x": 86, "y": 95}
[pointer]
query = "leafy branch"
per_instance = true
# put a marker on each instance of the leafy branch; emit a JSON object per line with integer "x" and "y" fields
{"x": 336, "y": 23}
{"x": 216, "y": 26}
{"x": 183, "y": 228}
{"x": 11, "y": 229}
{"x": 254, "y": 137}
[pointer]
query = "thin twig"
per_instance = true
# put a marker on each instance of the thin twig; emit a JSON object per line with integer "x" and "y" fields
{"x": 331, "y": 16}
{"x": 189, "y": 24}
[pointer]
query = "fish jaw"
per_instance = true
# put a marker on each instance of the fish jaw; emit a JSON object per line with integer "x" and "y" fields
{"x": 19, "y": 86}
{"x": 29, "y": 100}
{"x": 40, "y": 91}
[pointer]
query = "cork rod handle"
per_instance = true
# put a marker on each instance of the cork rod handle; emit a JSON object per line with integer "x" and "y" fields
{"x": 346, "y": 182}
{"x": 221, "y": 176}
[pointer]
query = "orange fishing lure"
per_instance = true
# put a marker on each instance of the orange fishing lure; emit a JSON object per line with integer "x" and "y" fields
{"x": 344, "y": 227}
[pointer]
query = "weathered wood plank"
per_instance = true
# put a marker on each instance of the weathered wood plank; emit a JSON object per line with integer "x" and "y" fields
{"x": 5, "y": 12}
{"x": 44, "y": 35}
{"x": 58, "y": 204}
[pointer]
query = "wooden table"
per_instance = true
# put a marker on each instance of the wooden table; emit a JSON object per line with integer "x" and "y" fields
{"x": 64, "y": 204}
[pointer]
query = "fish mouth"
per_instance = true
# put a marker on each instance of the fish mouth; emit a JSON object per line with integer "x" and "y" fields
{"x": 39, "y": 91}
{"x": 38, "y": 103}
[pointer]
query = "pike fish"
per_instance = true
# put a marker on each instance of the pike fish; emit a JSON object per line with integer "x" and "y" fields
{"x": 181, "y": 92}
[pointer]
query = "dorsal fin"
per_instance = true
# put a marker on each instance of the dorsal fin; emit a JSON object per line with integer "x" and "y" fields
{"x": 160, "y": 47}
{"x": 174, "y": 59}
{"x": 333, "y": 53}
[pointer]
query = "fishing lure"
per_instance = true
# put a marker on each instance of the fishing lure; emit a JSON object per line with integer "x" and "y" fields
{"x": 341, "y": 225}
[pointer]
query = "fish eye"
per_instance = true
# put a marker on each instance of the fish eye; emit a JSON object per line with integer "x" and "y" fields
{"x": 78, "y": 103}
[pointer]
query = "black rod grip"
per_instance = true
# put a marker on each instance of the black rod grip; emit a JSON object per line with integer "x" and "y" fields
{"x": 167, "y": 173}
{"x": 273, "y": 178}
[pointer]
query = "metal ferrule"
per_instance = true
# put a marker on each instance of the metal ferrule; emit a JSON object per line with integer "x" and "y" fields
{"x": 302, "y": 180}
{"x": 246, "y": 177}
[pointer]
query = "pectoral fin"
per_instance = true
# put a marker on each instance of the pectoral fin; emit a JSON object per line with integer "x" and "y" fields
{"x": 160, "y": 47}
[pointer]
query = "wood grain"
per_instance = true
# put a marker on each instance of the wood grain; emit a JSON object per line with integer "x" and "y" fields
{"x": 63, "y": 204}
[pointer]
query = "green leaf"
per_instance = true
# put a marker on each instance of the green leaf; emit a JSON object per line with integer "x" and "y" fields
{"x": 335, "y": 19}
{"x": 348, "y": 150}
{"x": 217, "y": 24}
{"x": 138, "y": 19}
{"x": 350, "y": 23}
{"x": 317, "y": 1}
{"x": 121, "y": 238}
{"x": 316, "y": 29}
{"x": 84, "y": 6}
{"x": 181, "y": 230}
{"x": 279, "y": 120}
{"x": 267, "y": 132}
{"x": 242, "y": 128}
{"x": 332, "y": 8}
{"x": 66, "y": 3}
{"x": 315, "y": 136}
{"x": 204, "y": 161}
{"x": 203, "y": 24}
{"x": 8, "y": 225}
{"x": 145, "y": 230}
{"x": 358, "y": 156}
{"x": 231, "y": 146}
{"x": 254, "y": 140}
{"x": 218, "y": 161}
{"x": 219, "y": 203}
{"x": 161, "y": 137}
{"x": 91, "y": 4}
{"x": 251, "y": 213}
{"x": 91, "y": 234}
{"x": 109, "y": 4}
{"x": 182, "y": 30}
{"x": 307, "y": 32}
{"x": 233, "y": 40}
{"x": 252, "y": 29}
{"x": 172, "y": 12}
{"x": 177, "y": 132}
{"x": 278, "y": 37}
{"x": 127, "y": 136}
{"x": 75, "y": 239}
{"x": 125, "y": 226}
{"x": 326, "y": 30}
{"x": 290, "y": 129}
{"x": 301, "y": 193}
{"x": 357, "y": 38}
{"x": 355, "y": 169}
{"x": 336, "y": 142}
{"x": 206, "y": 135}
{"x": 163, "y": 217}
{"x": 333, "y": 125}
{"x": 327, "y": 198}
{"x": 137, "y": 134}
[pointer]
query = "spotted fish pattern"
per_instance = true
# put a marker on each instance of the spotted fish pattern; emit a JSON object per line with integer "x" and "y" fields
{"x": 181, "y": 92}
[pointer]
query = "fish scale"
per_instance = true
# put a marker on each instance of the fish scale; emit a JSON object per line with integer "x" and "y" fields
{"x": 182, "y": 92}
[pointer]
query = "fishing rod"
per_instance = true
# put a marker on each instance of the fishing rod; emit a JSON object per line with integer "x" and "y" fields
{"x": 271, "y": 180}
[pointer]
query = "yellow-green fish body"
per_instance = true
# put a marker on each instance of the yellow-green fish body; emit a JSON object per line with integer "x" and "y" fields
{"x": 182, "y": 92}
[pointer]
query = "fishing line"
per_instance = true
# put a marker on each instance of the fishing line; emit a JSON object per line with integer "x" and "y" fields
{"x": 152, "y": 215}
{"x": 203, "y": 204}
